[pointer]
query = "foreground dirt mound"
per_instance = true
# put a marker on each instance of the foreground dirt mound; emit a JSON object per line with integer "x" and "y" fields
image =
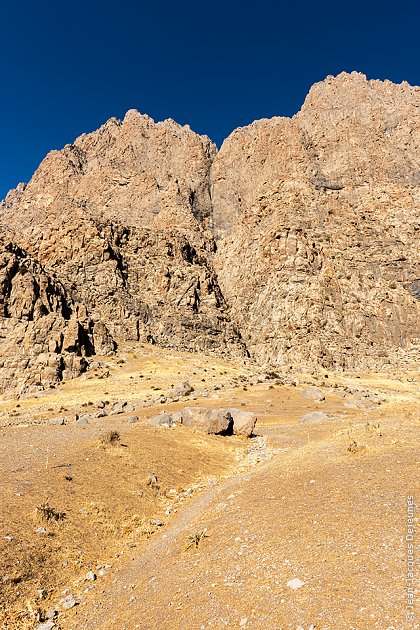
{"x": 109, "y": 522}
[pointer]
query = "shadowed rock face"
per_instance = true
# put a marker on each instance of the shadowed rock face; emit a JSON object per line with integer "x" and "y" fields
{"x": 44, "y": 335}
{"x": 297, "y": 242}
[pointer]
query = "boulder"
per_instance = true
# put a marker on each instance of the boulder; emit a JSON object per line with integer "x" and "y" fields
{"x": 243, "y": 422}
{"x": 162, "y": 421}
{"x": 211, "y": 421}
{"x": 313, "y": 393}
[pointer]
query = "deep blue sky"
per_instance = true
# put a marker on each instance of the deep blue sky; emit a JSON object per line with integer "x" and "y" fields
{"x": 66, "y": 67}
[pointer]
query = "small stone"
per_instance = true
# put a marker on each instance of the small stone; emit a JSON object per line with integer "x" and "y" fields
{"x": 182, "y": 389}
{"x": 243, "y": 621}
{"x": 51, "y": 613}
{"x": 47, "y": 625}
{"x": 295, "y": 584}
{"x": 90, "y": 576}
{"x": 101, "y": 572}
{"x": 41, "y": 530}
{"x": 68, "y": 602}
{"x": 58, "y": 421}
{"x": 82, "y": 420}
{"x": 313, "y": 417}
{"x": 313, "y": 393}
{"x": 132, "y": 419}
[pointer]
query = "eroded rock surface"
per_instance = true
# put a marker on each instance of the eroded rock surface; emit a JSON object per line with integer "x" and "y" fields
{"x": 317, "y": 224}
{"x": 296, "y": 243}
{"x": 45, "y": 336}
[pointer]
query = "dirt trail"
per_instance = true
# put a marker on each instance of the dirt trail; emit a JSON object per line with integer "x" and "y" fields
{"x": 317, "y": 512}
{"x": 328, "y": 508}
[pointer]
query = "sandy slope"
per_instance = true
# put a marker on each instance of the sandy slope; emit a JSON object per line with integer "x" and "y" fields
{"x": 326, "y": 504}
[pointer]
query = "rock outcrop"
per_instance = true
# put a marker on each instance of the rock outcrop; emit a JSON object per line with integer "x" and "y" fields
{"x": 44, "y": 335}
{"x": 317, "y": 225}
{"x": 296, "y": 243}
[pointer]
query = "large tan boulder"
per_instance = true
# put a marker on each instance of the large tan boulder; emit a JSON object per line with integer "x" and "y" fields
{"x": 243, "y": 422}
{"x": 212, "y": 421}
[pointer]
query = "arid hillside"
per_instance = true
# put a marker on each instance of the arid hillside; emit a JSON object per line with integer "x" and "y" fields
{"x": 111, "y": 519}
{"x": 295, "y": 244}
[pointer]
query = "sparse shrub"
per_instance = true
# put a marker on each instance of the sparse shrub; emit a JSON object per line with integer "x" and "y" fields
{"x": 46, "y": 513}
{"x": 393, "y": 285}
{"x": 153, "y": 483}
{"x": 194, "y": 540}
{"x": 110, "y": 438}
{"x": 354, "y": 447}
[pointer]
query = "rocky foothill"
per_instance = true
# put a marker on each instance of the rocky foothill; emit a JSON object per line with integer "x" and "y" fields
{"x": 295, "y": 244}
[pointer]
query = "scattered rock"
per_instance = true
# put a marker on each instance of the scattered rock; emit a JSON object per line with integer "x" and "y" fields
{"x": 118, "y": 407}
{"x": 162, "y": 421}
{"x": 58, "y": 421}
{"x": 295, "y": 584}
{"x": 132, "y": 419}
{"x": 313, "y": 417}
{"x": 182, "y": 389}
{"x": 313, "y": 393}
{"x": 51, "y": 613}
{"x": 83, "y": 420}
{"x": 243, "y": 422}
{"x": 68, "y": 602}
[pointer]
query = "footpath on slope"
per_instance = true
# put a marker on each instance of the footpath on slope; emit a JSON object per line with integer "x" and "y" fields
{"x": 312, "y": 538}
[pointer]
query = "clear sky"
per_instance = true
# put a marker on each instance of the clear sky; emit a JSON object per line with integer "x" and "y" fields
{"x": 66, "y": 67}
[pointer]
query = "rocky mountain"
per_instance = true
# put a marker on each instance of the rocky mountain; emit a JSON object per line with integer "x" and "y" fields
{"x": 296, "y": 243}
{"x": 317, "y": 221}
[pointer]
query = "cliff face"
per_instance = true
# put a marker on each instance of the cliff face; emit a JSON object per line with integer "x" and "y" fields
{"x": 298, "y": 239}
{"x": 122, "y": 219}
{"x": 44, "y": 335}
{"x": 317, "y": 225}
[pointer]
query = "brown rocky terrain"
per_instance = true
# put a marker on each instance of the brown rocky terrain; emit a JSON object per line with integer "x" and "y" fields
{"x": 296, "y": 243}
{"x": 317, "y": 221}
{"x": 209, "y": 384}
{"x": 172, "y": 527}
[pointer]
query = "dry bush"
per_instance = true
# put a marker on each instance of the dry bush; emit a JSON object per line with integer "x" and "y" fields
{"x": 194, "y": 540}
{"x": 354, "y": 447}
{"x": 110, "y": 438}
{"x": 46, "y": 513}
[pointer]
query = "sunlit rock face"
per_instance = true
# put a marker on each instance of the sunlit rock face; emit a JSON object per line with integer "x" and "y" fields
{"x": 317, "y": 227}
{"x": 296, "y": 243}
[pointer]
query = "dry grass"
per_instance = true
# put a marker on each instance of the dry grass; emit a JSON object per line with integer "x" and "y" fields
{"x": 110, "y": 438}
{"x": 45, "y": 513}
{"x": 194, "y": 540}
